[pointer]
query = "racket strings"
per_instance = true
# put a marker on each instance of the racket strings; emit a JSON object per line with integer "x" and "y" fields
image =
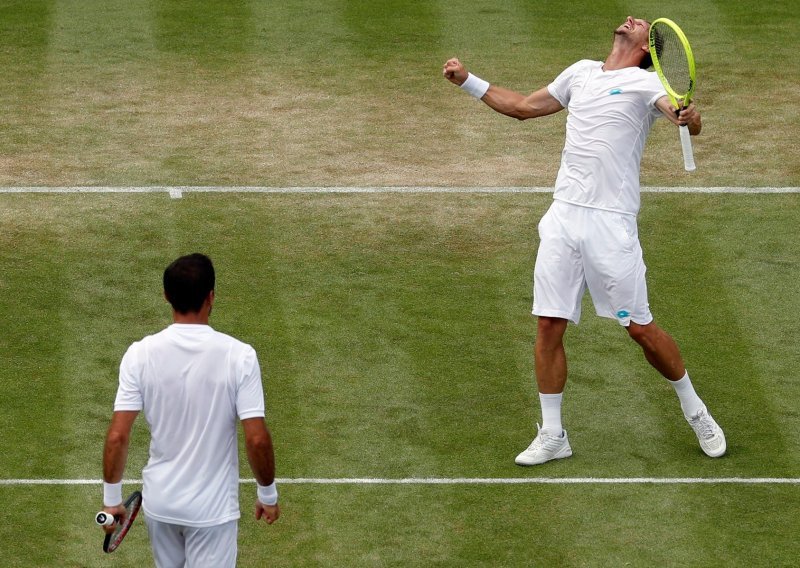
{"x": 672, "y": 59}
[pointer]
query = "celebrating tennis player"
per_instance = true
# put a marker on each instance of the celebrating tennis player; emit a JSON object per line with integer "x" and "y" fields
{"x": 193, "y": 383}
{"x": 589, "y": 237}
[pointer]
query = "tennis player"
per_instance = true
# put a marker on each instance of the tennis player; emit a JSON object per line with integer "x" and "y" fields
{"x": 193, "y": 383}
{"x": 589, "y": 237}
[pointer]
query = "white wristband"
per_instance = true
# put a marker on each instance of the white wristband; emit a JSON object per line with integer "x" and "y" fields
{"x": 475, "y": 86}
{"x": 112, "y": 494}
{"x": 267, "y": 494}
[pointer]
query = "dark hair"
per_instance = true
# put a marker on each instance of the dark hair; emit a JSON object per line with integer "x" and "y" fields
{"x": 647, "y": 60}
{"x": 188, "y": 281}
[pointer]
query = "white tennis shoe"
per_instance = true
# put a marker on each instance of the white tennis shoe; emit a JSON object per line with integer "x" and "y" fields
{"x": 709, "y": 434}
{"x": 544, "y": 448}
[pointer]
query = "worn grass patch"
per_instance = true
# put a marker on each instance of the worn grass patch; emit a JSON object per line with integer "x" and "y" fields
{"x": 351, "y": 93}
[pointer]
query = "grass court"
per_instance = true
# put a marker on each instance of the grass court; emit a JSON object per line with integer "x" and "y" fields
{"x": 393, "y": 329}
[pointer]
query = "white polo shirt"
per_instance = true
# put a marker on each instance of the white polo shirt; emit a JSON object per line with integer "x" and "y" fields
{"x": 193, "y": 383}
{"x": 610, "y": 115}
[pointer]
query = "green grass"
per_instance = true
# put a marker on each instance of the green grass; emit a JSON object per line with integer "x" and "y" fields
{"x": 351, "y": 93}
{"x": 395, "y": 341}
{"x": 393, "y": 330}
{"x": 454, "y": 526}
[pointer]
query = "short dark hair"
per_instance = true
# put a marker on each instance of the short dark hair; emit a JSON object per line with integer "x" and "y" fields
{"x": 647, "y": 60}
{"x": 188, "y": 281}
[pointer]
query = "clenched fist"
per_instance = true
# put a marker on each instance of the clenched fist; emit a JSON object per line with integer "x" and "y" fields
{"x": 454, "y": 71}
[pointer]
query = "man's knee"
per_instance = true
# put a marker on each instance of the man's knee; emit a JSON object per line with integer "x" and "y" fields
{"x": 644, "y": 335}
{"x": 637, "y": 332}
{"x": 550, "y": 330}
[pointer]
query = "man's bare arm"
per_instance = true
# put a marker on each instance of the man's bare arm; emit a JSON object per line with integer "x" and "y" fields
{"x": 261, "y": 456}
{"x": 260, "y": 453}
{"x": 507, "y": 102}
{"x": 115, "y": 453}
{"x": 513, "y": 104}
{"x": 115, "y": 456}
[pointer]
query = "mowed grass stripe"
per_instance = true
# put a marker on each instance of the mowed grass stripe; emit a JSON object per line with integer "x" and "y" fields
{"x": 722, "y": 318}
{"x": 33, "y": 291}
{"x": 764, "y": 317}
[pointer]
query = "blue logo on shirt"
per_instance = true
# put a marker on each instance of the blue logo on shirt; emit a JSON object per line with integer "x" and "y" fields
{"x": 623, "y": 314}
{"x": 616, "y": 91}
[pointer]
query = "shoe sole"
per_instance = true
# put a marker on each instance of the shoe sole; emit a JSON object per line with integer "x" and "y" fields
{"x": 715, "y": 454}
{"x": 559, "y": 456}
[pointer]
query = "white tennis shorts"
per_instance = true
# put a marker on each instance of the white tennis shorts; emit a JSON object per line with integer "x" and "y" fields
{"x": 207, "y": 547}
{"x": 584, "y": 247}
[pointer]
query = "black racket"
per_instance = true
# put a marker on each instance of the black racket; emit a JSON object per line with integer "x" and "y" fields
{"x": 121, "y": 525}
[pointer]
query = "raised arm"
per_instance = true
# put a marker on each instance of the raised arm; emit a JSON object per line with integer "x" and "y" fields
{"x": 507, "y": 102}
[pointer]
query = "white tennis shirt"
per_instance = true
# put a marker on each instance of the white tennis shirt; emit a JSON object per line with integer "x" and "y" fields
{"x": 610, "y": 115}
{"x": 192, "y": 383}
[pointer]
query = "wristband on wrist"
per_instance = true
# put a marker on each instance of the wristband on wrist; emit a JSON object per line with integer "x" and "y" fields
{"x": 475, "y": 86}
{"x": 112, "y": 494}
{"x": 267, "y": 494}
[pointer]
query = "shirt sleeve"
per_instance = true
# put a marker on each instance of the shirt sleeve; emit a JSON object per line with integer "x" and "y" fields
{"x": 129, "y": 393}
{"x": 655, "y": 91}
{"x": 249, "y": 392}
{"x": 561, "y": 86}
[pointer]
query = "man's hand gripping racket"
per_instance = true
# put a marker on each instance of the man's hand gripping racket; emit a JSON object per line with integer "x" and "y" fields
{"x": 118, "y": 525}
{"x": 674, "y": 64}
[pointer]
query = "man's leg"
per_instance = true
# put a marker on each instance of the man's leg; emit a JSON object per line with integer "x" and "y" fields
{"x": 551, "y": 375}
{"x": 550, "y": 357}
{"x": 660, "y": 349}
{"x": 663, "y": 354}
{"x": 551, "y": 370}
{"x": 167, "y": 542}
{"x": 212, "y": 547}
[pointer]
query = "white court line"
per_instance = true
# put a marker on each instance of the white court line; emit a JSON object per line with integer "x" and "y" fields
{"x": 468, "y": 481}
{"x": 177, "y": 191}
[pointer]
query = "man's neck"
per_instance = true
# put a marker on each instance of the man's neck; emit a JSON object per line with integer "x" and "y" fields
{"x": 612, "y": 63}
{"x": 196, "y": 318}
{"x": 622, "y": 56}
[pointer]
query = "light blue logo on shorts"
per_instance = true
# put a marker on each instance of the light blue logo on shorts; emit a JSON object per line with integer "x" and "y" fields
{"x": 623, "y": 314}
{"x": 616, "y": 91}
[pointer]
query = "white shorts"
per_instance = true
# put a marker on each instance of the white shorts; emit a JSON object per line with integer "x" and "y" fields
{"x": 175, "y": 546}
{"x": 583, "y": 247}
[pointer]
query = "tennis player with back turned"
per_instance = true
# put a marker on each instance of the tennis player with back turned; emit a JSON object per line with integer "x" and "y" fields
{"x": 194, "y": 384}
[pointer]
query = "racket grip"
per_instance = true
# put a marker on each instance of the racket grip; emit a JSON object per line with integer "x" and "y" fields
{"x": 104, "y": 519}
{"x": 686, "y": 146}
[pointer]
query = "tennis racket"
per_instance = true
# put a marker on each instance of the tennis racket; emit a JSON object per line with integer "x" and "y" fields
{"x": 674, "y": 63}
{"x": 123, "y": 525}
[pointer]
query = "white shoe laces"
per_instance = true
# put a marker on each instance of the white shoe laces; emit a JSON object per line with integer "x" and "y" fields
{"x": 703, "y": 425}
{"x": 543, "y": 440}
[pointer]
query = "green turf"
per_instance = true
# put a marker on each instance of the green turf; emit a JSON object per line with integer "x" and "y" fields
{"x": 351, "y": 93}
{"x": 454, "y": 526}
{"x": 393, "y": 331}
{"x": 395, "y": 342}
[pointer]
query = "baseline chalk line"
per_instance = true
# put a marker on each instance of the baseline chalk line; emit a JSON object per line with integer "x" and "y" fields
{"x": 466, "y": 481}
{"x": 176, "y": 192}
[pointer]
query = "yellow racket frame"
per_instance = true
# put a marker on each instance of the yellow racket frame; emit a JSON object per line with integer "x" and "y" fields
{"x": 678, "y": 99}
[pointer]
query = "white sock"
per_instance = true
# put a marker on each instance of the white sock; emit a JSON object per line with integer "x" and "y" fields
{"x": 551, "y": 413}
{"x": 690, "y": 402}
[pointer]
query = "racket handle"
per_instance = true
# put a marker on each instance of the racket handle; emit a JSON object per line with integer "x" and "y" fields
{"x": 104, "y": 519}
{"x": 686, "y": 146}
